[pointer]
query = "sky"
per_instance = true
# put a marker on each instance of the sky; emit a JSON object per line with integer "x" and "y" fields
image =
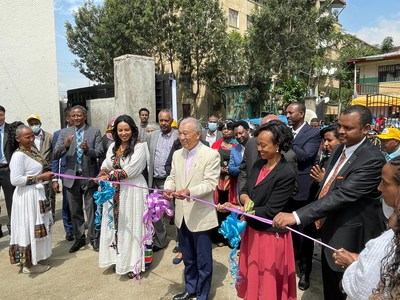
{"x": 370, "y": 20}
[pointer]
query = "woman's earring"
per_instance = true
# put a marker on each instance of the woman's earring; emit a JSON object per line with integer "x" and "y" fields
{"x": 277, "y": 150}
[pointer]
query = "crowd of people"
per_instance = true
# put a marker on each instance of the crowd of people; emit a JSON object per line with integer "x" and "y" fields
{"x": 330, "y": 183}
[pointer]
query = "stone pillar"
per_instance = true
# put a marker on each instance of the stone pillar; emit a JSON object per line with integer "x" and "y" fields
{"x": 134, "y": 85}
{"x": 309, "y": 102}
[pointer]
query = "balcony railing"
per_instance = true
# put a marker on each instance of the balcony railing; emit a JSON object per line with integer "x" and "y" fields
{"x": 387, "y": 88}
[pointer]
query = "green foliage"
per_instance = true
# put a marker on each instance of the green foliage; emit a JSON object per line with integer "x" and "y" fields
{"x": 230, "y": 63}
{"x": 287, "y": 38}
{"x": 387, "y": 44}
{"x": 82, "y": 39}
{"x": 291, "y": 90}
{"x": 191, "y": 31}
{"x": 202, "y": 26}
{"x": 351, "y": 48}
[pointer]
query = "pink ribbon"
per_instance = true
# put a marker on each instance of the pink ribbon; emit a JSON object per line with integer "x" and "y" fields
{"x": 267, "y": 221}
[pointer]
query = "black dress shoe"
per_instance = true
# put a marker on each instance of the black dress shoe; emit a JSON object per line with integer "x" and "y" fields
{"x": 184, "y": 296}
{"x": 69, "y": 236}
{"x": 156, "y": 249}
{"x": 95, "y": 244}
{"x": 304, "y": 282}
{"x": 77, "y": 245}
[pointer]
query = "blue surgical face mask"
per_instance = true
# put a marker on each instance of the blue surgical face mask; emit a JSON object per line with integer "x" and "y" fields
{"x": 35, "y": 128}
{"x": 212, "y": 126}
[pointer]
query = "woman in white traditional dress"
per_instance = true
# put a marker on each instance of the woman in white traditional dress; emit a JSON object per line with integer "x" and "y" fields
{"x": 31, "y": 217}
{"x": 121, "y": 236}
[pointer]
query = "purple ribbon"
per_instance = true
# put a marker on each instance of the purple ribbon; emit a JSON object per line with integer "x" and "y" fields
{"x": 267, "y": 221}
{"x": 156, "y": 207}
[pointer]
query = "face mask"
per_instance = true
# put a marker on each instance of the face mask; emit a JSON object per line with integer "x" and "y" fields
{"x": 212, "y": 126}
{"x": 35, "y": 128}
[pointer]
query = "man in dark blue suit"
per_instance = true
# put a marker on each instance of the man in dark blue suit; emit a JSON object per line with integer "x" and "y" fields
{"x": 241, "y": 130}
{"x": 348, "y": 197}
{"x": 306, "y": 144}
{"x": 58, "y": 166}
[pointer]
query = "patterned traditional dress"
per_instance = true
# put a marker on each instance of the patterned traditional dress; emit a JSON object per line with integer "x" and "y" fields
{"x": 31, "y": 217}
{"x": 121, "y": 235}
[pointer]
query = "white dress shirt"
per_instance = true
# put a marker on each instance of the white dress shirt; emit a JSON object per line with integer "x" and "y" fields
{"x": 349, "y": 152}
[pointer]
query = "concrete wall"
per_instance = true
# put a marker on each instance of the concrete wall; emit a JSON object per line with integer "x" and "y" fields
{"x": 28, "y": 67}
{"x": 134, "y": 84}
{"x": 99, "y": 111}
{"x": 134, "y": 88}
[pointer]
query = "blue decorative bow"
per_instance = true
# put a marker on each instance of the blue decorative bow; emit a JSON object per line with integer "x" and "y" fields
{"x": 105, "y": 194}
{"x": 231, "y": 229}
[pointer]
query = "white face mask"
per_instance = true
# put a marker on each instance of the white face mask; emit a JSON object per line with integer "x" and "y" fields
{"x": 212, "y": 126}
{"x": 35, "y": 128}
{"x": 387, "y": 210}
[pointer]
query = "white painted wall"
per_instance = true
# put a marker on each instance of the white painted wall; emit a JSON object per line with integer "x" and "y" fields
{"x": 28, "y": 66}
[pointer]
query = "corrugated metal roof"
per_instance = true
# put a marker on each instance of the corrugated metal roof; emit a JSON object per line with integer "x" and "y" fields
{"x": 383, "y": 56}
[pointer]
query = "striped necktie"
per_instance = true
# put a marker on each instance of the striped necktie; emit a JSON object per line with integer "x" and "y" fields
{"x": 326, "y": 187}
{"x": 79, "y": 151}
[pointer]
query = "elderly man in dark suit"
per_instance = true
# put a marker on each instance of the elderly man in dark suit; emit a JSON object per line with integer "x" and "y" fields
{"x": 348, "y": 196}
{"x": 5, "y": 157}
{"x": 81, "y": 145}
{"x": 306, "y": 143}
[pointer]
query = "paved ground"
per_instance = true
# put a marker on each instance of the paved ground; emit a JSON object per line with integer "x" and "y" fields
{"x": 78, "y": 276}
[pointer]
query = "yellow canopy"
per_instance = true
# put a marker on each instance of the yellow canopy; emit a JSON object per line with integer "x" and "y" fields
{"x": 380, "y": 101}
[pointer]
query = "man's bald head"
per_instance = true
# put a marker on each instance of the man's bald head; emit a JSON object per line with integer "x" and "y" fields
{"x": 268, "y": 118}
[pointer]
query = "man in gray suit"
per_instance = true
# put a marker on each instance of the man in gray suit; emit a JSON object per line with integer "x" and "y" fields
{"x": 5, "y": 157}
{"x": 160, "y": 144}
{"x": 81, "y": 145}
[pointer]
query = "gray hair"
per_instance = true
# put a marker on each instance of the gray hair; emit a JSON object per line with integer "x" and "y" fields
{"x": 20, "y": 128}
{"x": 165, "y": 110}
{"x": 81, "y": 108}
{"x": 196, "y": 123}
{"x": 155, "y": 126}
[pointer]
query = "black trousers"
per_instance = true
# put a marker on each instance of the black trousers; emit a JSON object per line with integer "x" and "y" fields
{"x": 303, "y": 247}
{"x": 8, "y": 190}
{"x": 331, "y": 281}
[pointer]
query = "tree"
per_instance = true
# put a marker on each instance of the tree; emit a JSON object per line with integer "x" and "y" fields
{"x": 351, "y": 47}
{"x": 230, "y": 63}
{"x": 387, "y": 44}
{"x": 291, "y": 90}
{"x": 286, "y": 38}
{"x": 191, "y": 32}
{"x": 203, "y": 27}
{"x": 81, "y": 40}
{"x": 120, "y": 27}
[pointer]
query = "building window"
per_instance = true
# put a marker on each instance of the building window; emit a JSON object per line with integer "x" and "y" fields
{"x": 389, "y": 73}
{"x": 249, "y": 22}
{"x": 233, "y": 18}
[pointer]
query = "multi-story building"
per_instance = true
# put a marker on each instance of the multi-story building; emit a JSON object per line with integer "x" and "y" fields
{"x": 377, "y": 83}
